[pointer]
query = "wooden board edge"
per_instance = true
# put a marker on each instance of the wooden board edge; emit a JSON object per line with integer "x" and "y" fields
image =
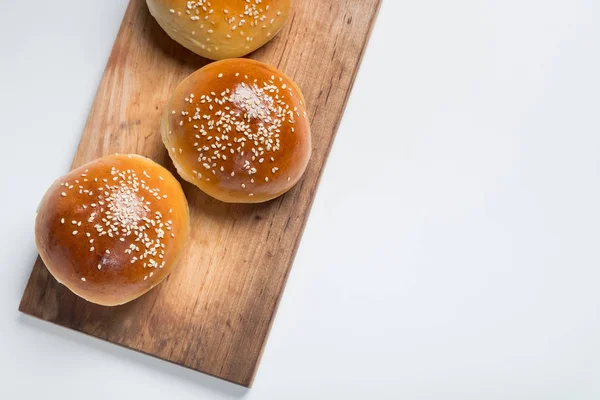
{"x": 128, "y": 10}
{"x": 176, "y": 365}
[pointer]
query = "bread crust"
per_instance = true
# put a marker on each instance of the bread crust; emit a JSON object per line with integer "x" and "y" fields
{"x": 238, "y": 130}
{"x": 219, "y": 29}
{"x": 113, "y": 229}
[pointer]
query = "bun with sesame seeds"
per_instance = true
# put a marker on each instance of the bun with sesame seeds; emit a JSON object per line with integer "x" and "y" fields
{"x": 238, "y": 130}
{"x": 219, "y": 29}
{"x": 113, "y": 229}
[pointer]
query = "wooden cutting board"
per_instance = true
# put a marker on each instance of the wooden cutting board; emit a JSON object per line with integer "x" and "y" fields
{"x": 214, "y": 312}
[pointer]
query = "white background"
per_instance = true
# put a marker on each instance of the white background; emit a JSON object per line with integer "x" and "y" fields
{"x": 455, "y": 257}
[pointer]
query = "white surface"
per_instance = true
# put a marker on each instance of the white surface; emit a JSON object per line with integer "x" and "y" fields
{"x": 463, "y": 263}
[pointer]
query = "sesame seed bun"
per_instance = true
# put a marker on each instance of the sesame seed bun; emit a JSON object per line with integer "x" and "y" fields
{"x": 238, "y": 130}
{"x": 113, "y": 229}
{"x": 219, "y": 29}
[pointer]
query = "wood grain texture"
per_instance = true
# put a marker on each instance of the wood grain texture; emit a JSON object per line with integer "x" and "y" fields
{"x": 214, "y": 312}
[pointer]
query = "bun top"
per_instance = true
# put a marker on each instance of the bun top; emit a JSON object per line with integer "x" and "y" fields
{"x": 112, "y": 229}
{"x": 238, "y": 129}
{"x": 219, "y": 29}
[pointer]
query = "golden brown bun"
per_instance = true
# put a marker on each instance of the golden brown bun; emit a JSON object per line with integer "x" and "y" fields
{"x": 238, "y": 130}
{"x": 113, "y": 229}
{"x": 219, "y": 29}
